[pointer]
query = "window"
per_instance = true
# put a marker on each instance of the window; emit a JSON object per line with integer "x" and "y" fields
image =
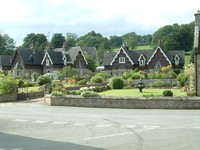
{"x": 121, "y": 60}
{"x": 176, "y": 59}
{"x": 65, "y": 61}
{"x": 47, "y": 62}
{"x": 142, "y": 62}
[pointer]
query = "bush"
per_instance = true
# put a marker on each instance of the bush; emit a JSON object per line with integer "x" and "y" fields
{"x": 57, "y": 93}
{"x": 43, "y": 80}
{"x": 167, "y": 93}
{"x": 89, "y": 94}
{"x": 117, "y": 83}
{"x": 8, "y": 85}
{"x": 96, "y": 79}
{"x": 82, "y": 82}
{"x": 191, "y": 93}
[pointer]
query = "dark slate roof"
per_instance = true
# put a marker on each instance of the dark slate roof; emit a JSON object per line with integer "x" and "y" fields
{"x": 5, "y": 60}
{"x": 108, "y": 57}
{"x": 56, "y": 57}
{"x": 135, "y": 54}
{"x": 91, "y": 51}
{"x": 29, "y": 57}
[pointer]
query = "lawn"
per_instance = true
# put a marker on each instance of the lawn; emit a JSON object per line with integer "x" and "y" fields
{"x": 30, "y": 89}
{"x": 136, "y": 93}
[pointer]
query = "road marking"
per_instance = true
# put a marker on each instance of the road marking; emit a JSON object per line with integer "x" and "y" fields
{"x": 103, "y": 125}
{"x": 128, "y": 126}
{"x": 176, "y": 127}
{"x": 57, "y": 122}
{"x": 40, "y": 121}
{"x": 80, "y": 124}
{"x": 20, "y": 120}
{"x": 150, "y": 127}
{"x": 196, "y": 127}
{"x": 105, "y": 136}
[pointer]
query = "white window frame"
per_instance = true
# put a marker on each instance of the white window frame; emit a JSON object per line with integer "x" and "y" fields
{"x": 65, "y": 61}
{"x": 142, "y": 62}
{"x": 177, "y": 60}
{"x": 121, "y": 60}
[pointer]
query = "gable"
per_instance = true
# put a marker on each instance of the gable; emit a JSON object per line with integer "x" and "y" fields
{"x": 80, "y": 61}
{"x": 46, "y": 57}
{"x": 160, "y": 56}
{"x": 121, "y": 53}
{"x": 17, "y": 60}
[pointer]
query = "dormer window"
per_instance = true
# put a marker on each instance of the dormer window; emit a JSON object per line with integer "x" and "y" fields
{"x": 47, "y": 62}
{"x": 142, "y": 60}
{"x": 176, "y": 60}
{"x": 121, "y": 60}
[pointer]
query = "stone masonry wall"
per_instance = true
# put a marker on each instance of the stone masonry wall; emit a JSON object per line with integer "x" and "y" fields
{"x": 125, "y": 102}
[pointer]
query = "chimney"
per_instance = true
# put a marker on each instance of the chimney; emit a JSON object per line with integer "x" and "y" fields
{"x": 65, "y": 45}
{"x": 125, "y": 45}
{"x": 32, "y": 47}
{"x": 160, "y": 43}
{"x": 48, "y": 46}
{"x": 197, "y": 31}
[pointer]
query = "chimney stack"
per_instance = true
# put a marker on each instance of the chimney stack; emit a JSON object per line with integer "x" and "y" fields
{"x": 197, "y": 31}
{"x": 32, "y": 47}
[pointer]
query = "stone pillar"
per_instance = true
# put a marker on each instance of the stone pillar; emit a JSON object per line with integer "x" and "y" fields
{"x": 197, "y": 52}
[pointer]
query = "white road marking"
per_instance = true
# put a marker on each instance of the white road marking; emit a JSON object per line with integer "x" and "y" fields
{"x": 176, "y": 127}
{"x": 128, "y": 126}
{"x": 57, "y": 122}
{"x": 150, "y": 127}
{"x": 20, "y": 120}
{"x": 105, "y": 136}
{"x": 80, "y": 124}
{"x": 196, "y": 127}
{"x": 103, "y": 125}
{"x": 40, "y": 121}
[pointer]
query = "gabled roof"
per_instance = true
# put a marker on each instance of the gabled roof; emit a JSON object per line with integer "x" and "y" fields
{"x": 91, "y": 51}
{"x": 5, "y": 60}
{"x": 29, "y": 57}
{"x": 108, "y": 57}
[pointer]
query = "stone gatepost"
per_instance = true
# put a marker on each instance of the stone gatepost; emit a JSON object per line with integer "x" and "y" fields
{"x": 197, "y": 52}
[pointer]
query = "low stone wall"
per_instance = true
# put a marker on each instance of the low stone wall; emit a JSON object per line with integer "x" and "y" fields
{"x": 8, "y": 97}
{"x": 125, "y": 102}
{"x": 31, "y": 95}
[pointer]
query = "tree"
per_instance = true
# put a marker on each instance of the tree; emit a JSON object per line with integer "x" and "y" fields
{"x": 131, "y": 39}
{"x": 91, "y": 63}
{"x": 57, "y": 40}
{"x": 39, "y": 40}
{"x": 71, "y": 39}
{"x": 68, "y": 72}
{"x": 115, "y": 41}
{"x": 7, "y": 45}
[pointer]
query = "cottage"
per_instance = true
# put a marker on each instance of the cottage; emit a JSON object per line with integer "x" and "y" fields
{"x": 30, "y": 60}
{"x": 146, "y": 60}
{"x": 5, "y": 61}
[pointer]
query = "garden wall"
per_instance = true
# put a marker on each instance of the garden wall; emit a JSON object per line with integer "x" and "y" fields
{"x": 125, "y": 102}
{"x": 8, "y": 97}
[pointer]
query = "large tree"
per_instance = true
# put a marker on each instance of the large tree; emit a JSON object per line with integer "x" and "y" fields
{"x": 115, "y": 41}
{"x": 175, "y": 37}
{"x": 7, "y": 45}
{"x": 131, "y": 39}
{"x": 71, "y": 39}
{"x": 39, "y": 40}
{"x": 57, "y": 40}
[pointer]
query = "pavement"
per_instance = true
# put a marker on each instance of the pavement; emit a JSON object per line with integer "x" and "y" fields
{"x": 31, "y": 125}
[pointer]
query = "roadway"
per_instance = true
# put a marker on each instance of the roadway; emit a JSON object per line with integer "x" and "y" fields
{"x": 32, "y": 125}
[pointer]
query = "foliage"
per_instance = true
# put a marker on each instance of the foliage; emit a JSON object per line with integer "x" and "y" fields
{"x": 68, "y": 72}
{"x": 34, "y": 77}
{"x": 131, "y": 39}
{"x": 175, "y": 36}
{"x": 57, "y": 40}
{"x": 167, "y": 93}
{"x": 8, "y": 85}
{"x": 191, "y": 93}
{"x": 156, "y": 84}
{"x": 89, "y": 94}
{"x": 39, "y": 40}
{"x": 115, "y": 41}
{"x": 96, "y": 79}
{"x": 43, "y": 80}
{"x": 102, "y": 88}
{"x": 103, "y": 75}
{"x": 71, "y": 39}
{"x": 117, "y": 83}
{"x": 91, "y": 63}
{"x": 57, "y": 93}
{"x": 82, "y": 82}
{"x": 182, "y": 79}
{"x": 7, "y": 45}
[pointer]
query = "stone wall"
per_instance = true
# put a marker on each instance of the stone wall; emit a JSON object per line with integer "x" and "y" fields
{"x": 125, "y": 102}
{"x": 8, "y": 97}
{"x": 31, "y": 95}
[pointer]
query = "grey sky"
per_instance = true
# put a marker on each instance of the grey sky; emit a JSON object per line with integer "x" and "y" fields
{"x": 108, "y": 17}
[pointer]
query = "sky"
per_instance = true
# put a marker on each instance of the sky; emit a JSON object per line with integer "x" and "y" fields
{"x": 108, "y": 17}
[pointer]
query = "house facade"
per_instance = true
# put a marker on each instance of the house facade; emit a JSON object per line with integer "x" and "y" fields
{"x": 29, "y": 60}
{"x": 5, "y": 62}
{"x": 146, "y": 60}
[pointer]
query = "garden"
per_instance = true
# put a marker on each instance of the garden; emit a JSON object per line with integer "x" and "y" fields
{"x": 68, "y": 82}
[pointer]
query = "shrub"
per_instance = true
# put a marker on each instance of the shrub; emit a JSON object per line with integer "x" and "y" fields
{"x": 82, "y": 82}
{"x": 89, "y": 94}
{"x": 43, "y": 80}
{"x": 96, "y": 79}
{"x": 34, "y": 77}
{"x": 117, "y": 83}
{"x": 8, "y": 85}
{"x": 57, "y": 93}
{"x": 167, "y": 93}
{"x": 182, "y": 78}
{"x": 191, "y": 93}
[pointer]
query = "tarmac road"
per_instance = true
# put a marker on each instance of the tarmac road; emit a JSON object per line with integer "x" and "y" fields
{"x": 31, "y": 125}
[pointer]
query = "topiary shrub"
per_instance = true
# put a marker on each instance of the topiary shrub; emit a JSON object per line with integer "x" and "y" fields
{"x": 117, "y": 83}
{"x": 43, "y": 80}
{"x": 96, "y": 79}
{"x": 167, "y": 93}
